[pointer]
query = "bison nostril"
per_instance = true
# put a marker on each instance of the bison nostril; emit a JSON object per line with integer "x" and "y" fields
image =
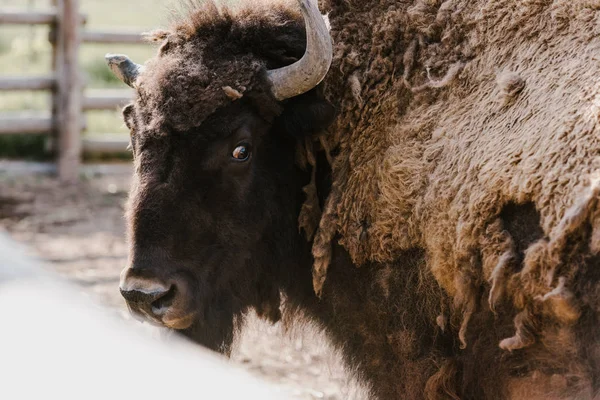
{"x": 163, "y": 303}
{"x": 143, "y": 298}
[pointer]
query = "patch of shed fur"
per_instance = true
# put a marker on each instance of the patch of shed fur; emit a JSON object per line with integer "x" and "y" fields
{"x": 441, "y": 321}
{"x": 446, "y": 80}
{"x": 524, "y": 333}
{"x": 542, "y": 259}
{"x": 232, "y": 93}
{"x": 562, "y": 303}
{"x": 498, "y": 257}
{"x": 355, "y": 87}
{"x": 321, "y": 248}
{"x": 499, "y": 277}
{"x": 511, "y": 84}
{"x": 465, "y": 300}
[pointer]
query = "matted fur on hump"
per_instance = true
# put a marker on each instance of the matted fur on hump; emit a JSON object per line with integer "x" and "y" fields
{"x": 451, "y": 111}
{"x": 208, "y": 48}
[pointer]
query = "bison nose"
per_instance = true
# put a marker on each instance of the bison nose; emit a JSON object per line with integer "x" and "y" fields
{"x": 142, "y": 297}
{"x": 166, "y": 302}
{"x": 146, "y": 295}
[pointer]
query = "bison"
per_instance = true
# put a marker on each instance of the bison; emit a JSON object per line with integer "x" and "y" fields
{"x": 425, "y": 189}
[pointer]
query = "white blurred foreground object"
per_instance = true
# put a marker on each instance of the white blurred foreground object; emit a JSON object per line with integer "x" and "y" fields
{"x": 56, "y": 344}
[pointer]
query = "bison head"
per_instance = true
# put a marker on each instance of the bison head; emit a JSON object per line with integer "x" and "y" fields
{"x": 215, "y": 129}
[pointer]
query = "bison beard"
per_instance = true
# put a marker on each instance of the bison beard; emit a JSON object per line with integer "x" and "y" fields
{"x": 458, "y": 175}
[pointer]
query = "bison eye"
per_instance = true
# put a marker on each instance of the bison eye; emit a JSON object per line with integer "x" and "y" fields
{"x": 241, "y": 152}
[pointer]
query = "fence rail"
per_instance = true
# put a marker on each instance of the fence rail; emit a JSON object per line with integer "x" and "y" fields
{"x": 112, "y": 37}
{"x": 66, "y": 120}
{"x": 30, "y": 83}
{"x": 20, "y": 17}
{"x": 26, "y": 125}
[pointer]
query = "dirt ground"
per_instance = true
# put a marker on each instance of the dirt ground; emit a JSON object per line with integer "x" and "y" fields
{"x": 78, "y": 231}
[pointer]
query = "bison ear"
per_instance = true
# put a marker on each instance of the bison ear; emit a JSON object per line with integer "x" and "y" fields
{"x": 128, "y": 116}
{"x": 305, "y": 115}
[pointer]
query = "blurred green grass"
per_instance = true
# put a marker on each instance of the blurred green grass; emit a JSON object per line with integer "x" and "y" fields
{"x": 25, "y": 51}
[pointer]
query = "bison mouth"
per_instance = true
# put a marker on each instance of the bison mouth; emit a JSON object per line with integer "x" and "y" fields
{"x": 164, "y": 311}
{"x": 170, "y": 312}
{"x": 181, "y": 304}
{"x": 169, "y": 302}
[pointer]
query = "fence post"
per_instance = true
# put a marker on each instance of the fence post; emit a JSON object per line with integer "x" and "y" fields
{"x": 69, "y": 90}
{"x": 52, "y": 144}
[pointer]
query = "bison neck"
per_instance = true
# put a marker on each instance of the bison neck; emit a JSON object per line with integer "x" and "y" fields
{"x": 382, "y": 318}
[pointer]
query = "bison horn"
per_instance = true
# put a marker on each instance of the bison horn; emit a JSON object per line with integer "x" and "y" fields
{"x": 125, "y": 69}
{"x": 309, "y": 71}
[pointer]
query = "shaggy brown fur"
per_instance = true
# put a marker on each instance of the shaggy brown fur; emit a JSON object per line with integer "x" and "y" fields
{"x": 432, "y": 162}
{"x": 463, "y": 184}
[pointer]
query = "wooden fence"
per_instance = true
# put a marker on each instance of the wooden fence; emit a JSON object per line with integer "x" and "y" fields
{"x": 66, "y": 121}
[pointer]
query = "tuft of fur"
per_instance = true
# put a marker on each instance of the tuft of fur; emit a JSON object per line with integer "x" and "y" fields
{"x": 510, "y": 84}
{"x": 211, "y": 55}
{"x": 232, "y": 93}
